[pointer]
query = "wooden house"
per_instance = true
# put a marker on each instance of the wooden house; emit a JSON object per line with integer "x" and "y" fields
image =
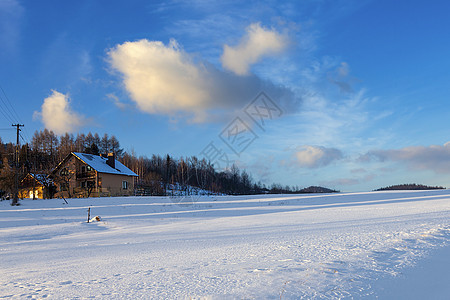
{"x": 36, "y": 186}
{"x": 88, "y": 175}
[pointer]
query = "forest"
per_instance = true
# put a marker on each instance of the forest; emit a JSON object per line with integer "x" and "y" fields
{"x": 158, "y": 175}
{"x": 410, "y": 186}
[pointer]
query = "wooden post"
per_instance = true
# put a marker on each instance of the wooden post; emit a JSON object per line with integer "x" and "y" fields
{"x": 89, "y": 214}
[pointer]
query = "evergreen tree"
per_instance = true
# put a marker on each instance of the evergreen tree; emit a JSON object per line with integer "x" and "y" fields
{"x": 93, "y": 149}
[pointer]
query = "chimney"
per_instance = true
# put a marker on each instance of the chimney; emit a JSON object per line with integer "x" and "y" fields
{"x": 111, "y": 160}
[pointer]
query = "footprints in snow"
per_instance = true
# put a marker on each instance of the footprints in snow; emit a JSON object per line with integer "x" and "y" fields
{"x": 45, "y": 289}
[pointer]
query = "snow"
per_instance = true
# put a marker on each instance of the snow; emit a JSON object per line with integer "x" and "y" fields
{"x": 351, "y": 245}
{"x": 411, "y": 283}
{"x": 42, "y": 178}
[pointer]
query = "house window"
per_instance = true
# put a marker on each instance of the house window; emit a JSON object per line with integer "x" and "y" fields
{"x": 125, "y": 185}
{"x": 83, "y": 169}
{"x": 64, "y": 172}
{"x": 36, "y": 194}
{"x": 88, "y": 168}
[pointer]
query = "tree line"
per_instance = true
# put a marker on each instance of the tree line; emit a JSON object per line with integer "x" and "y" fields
{"x": 158, "y": 175}
{"x": 410, "y": 186}
{"x": 46, "y": 150}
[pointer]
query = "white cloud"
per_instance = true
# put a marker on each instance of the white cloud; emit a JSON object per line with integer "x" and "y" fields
{"x": 434, "y": 157}
{"x": 328, "y": 116}
{"x": 257, "y": 43}
{"x": 166, "y": 80}
{"x": 57, "y": 114}
{"x": 114, "y": 99}
{"x": 314, "y": 156}
{"x": 160, "y": 78}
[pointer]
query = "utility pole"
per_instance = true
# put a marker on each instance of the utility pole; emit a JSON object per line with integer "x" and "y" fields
{"x": 15, "y": 200}
{"x": 34, "y": 180}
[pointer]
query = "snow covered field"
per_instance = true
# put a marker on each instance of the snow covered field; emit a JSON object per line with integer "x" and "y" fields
{"x": 376, "y": 244}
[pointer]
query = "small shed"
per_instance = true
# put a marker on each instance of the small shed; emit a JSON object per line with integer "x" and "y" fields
{"x": 36, "y": 186}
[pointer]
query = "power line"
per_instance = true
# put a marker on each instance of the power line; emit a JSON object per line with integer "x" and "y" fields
{"x": 27, "y": 136}
{"x": 4, "y": 113}
{"x": 9, "y": 102}
{"x": 22, "y": 138}
{"x": 7, "y": 132}
{"x": 18, "y": 131}
{"x": 10, "y": 113}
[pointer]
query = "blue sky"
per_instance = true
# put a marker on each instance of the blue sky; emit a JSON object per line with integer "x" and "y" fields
{"x": 362, "y": 87}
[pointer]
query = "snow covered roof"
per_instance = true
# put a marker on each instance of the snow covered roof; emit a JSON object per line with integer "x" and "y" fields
{"x": 99, "y": 164}
{"x": 42, "y": 178}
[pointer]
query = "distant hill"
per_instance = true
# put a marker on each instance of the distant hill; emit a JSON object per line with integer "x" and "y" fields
{"x": 410, "y": 186}
{"x": 317, "y": 189}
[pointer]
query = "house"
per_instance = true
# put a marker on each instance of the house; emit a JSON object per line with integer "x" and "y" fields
{"x": 38, "y": 185}
{"x": 88, "y": 175}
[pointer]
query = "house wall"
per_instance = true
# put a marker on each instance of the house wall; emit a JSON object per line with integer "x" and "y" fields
{"x": 25, "y": 192}
{"x": 113, "y": 183}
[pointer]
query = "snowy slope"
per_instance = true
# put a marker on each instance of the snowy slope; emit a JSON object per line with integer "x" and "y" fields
{"x": 254, "y": 247}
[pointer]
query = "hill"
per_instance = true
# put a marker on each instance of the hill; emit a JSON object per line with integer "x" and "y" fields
{"x": 410, "y": 186}
{"x": 317, "y": 189}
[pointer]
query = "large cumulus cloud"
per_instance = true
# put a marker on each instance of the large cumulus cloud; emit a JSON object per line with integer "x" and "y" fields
{"x": 165, "y": 79}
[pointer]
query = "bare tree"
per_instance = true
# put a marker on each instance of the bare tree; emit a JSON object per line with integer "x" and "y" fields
{"x": 89, "y": 139}
{"x": 104, "y": 144}
{"x": 7, "y": 175}
{"x": 80, "y": 142}
{"x": 63, "y": 177}
{"x": 66, "y": 146}
{"x": 97, "y": 139}
{"x": 115, "y": 146}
